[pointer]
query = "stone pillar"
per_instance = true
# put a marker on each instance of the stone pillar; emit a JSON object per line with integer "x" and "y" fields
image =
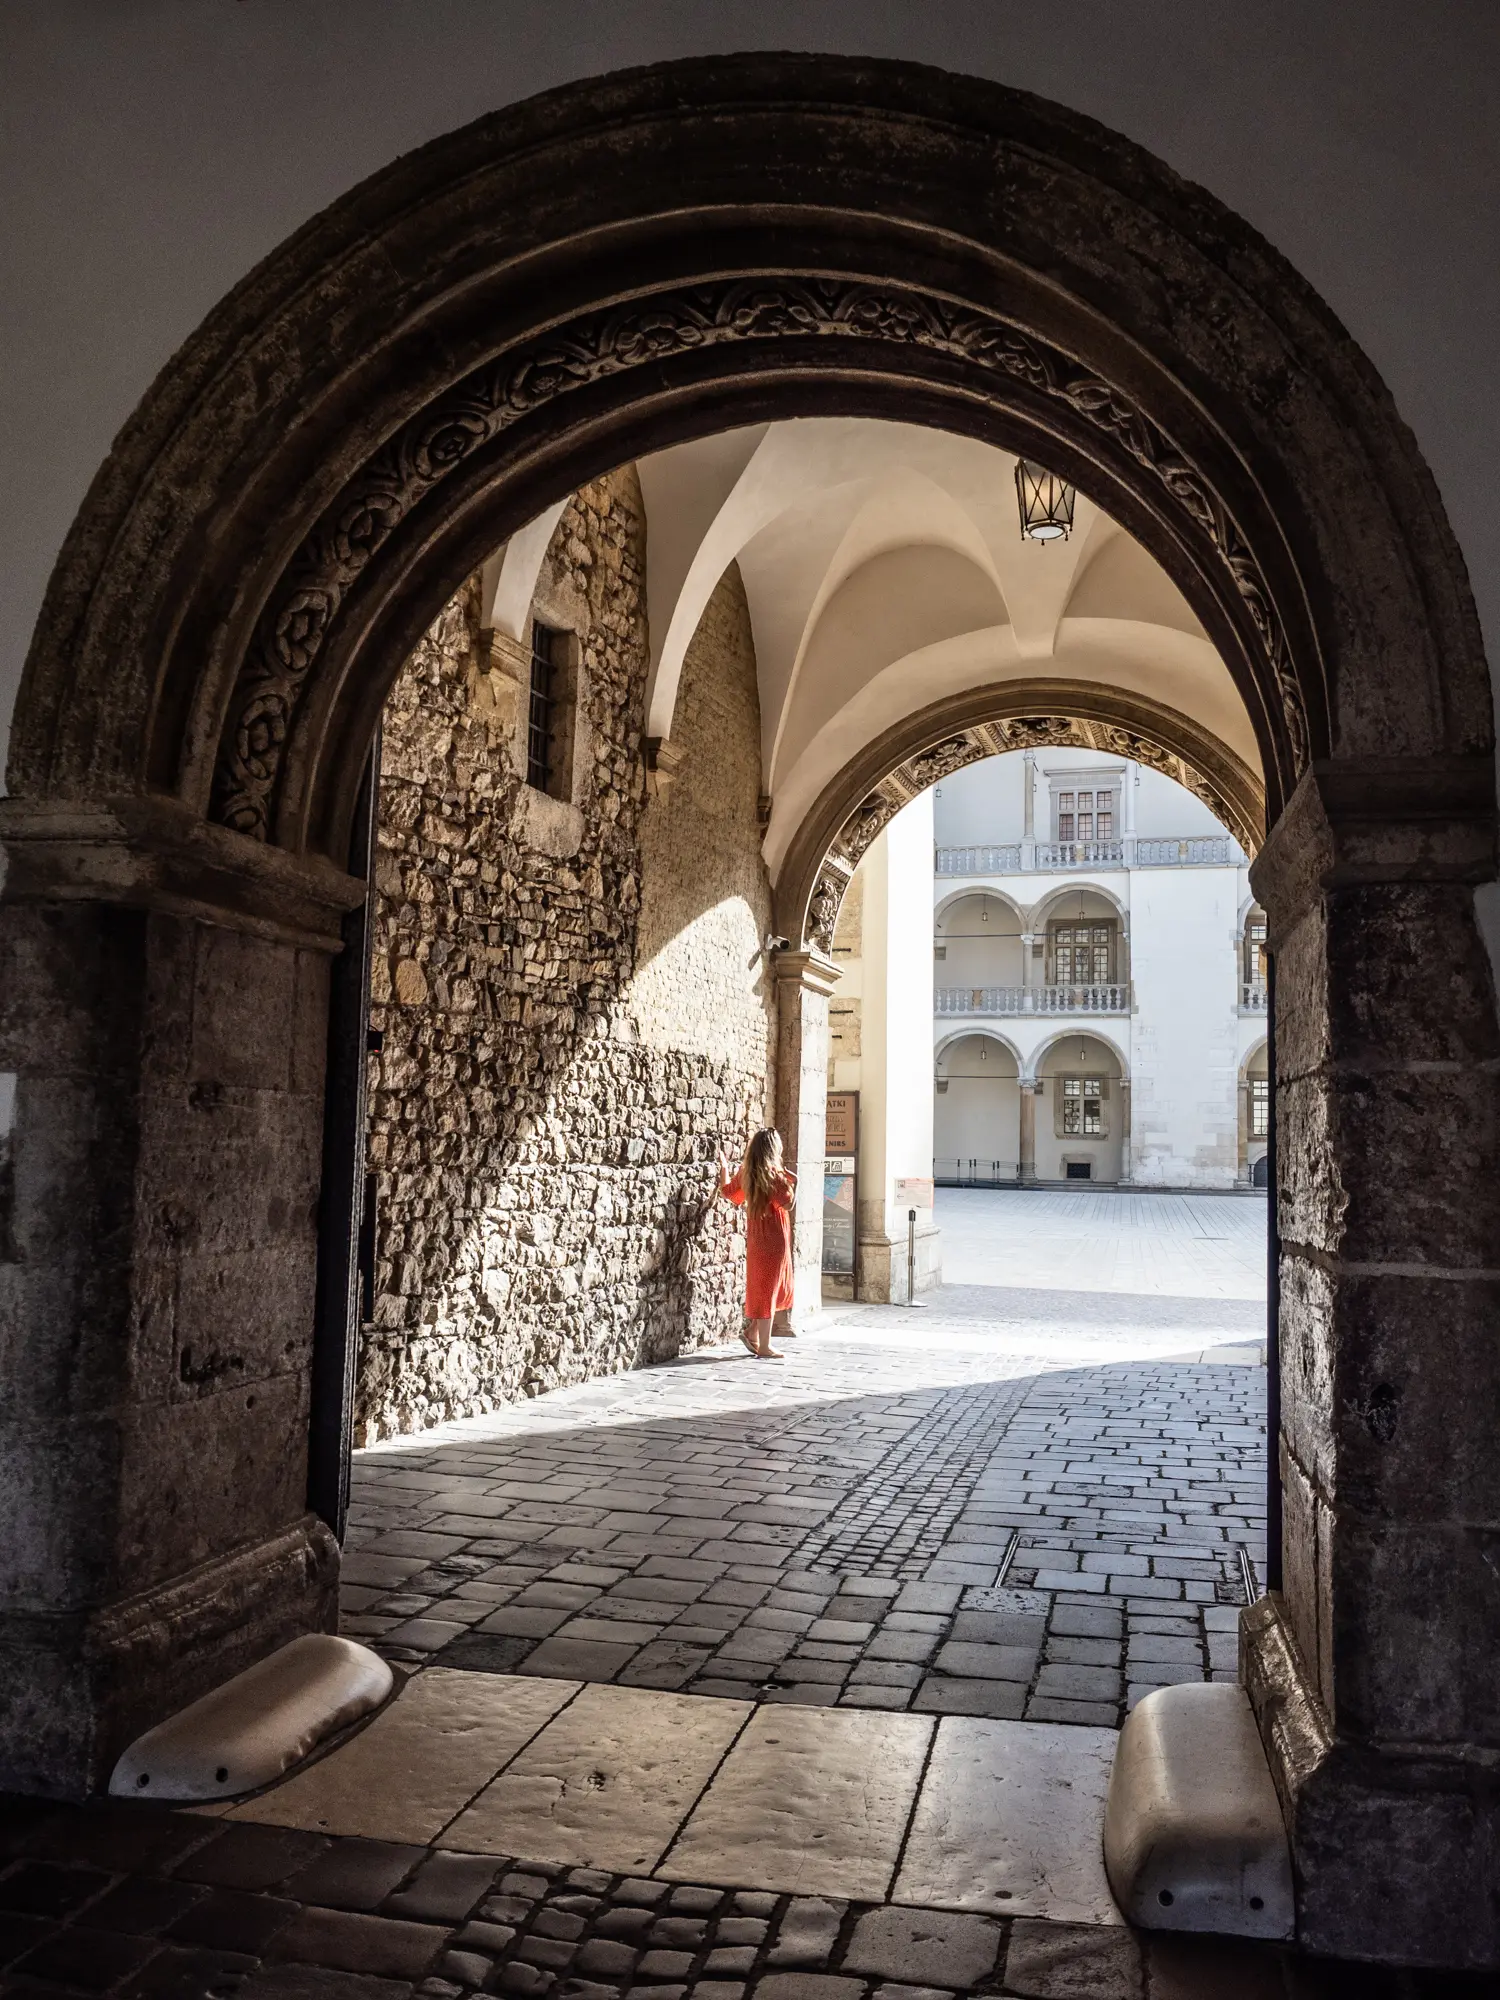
{"x": 164, "y": 1016}
{"x": 1027, "y": 1171}
{"x": 1127, "y": 814}
{"x": 1028, "y": 809}
{"x": 896, "y": 1096}
{"x": 804, "y": 980}
{"x": 1028, "y": 939}
{"x": 1372, "y": 1672}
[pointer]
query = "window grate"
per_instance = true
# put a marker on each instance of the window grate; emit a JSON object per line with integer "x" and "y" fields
{"x": 540, "y": 760}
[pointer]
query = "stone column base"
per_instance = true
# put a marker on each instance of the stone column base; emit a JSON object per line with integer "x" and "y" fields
{"x": 79, "y": 1689}
{"x": 1393, "y": 1848}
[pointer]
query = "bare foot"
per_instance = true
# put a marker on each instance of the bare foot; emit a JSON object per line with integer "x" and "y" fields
{"x": 769, "y": 1354}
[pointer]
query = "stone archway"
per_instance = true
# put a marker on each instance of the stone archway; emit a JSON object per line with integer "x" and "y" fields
{"x": 987, "y": 722}
{"x": 426, "y": 367}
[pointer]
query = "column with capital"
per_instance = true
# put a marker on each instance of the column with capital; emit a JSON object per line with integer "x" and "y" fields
{"x": 804, "y": 981}
{"x": 1028, "y": 808}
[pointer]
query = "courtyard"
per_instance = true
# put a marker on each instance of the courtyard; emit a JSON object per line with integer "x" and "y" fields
{"x": 1032, "y": 1498}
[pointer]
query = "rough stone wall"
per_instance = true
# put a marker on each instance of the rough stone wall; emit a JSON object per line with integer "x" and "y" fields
{"x": 544, "y": 1117}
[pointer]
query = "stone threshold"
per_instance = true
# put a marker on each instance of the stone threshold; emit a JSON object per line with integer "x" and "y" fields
{"x": 959, "y": 1813}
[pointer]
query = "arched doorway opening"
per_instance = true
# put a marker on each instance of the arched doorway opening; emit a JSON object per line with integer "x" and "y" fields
{"x": 422, "y": 372}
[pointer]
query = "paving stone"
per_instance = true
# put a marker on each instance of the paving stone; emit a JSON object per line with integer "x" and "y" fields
{"x": 1052, "y": 1708}
{"x": 938, "y": 1695}
{"x": 973, "y": 1660}
{"x": 886, "y": 1673}
{"x": 1062, "y": 1651}
{"x": 235, "y": 1920}
{"x": 553, "y": 1954}
{"x": 926, "y": 1947}
{"x": 754, "y": 1903}
{"x": 555, "y": 1923}
{"x": 447, "y": 1887}
{"x": 689, "y": 1900}
{"x": 740, "y": 1930}
{"x": 727, "y": 1961}
{"x": 529, "y": 1621}
{"x": 662, "y": 1964}
{"x": 241, "y": 1857}
{"x": 466, "y": 1968}
{"x": 806, "y": 1986}
{"x": 909, "y": 1646}
{"x": 640, "y": 1889}
{"x": 1057, "y": 1961}
{"x": 606, "y": 1957}
{"x": 524, "y": 1980}
{"x": 578, "y": 1659}
{"x": 940, "y": 1598}
{"x": 850, "y": 1632}
{"x": 807, "y": 1933}
{"x": 481, "y": 1935}
{"x": 1000, "y": 1628}
{"x": 553, "y": 1595}
{"x": 1080, "y": 1683}
{"x": 799, "y": 1669}
{"x": 351, "y": 1941}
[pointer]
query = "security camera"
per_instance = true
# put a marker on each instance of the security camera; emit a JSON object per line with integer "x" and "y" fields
{"x": 774, "y": 943}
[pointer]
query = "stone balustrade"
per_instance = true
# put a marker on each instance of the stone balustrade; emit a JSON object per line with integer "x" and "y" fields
{"x": 1012, "y": 1000}
{"x": 1051, "y": 857}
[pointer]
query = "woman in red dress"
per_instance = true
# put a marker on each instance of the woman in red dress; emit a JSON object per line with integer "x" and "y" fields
{"x": 766, "y": 1191}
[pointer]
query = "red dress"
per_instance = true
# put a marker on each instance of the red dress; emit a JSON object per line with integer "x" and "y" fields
{"x": 768, "y": 1259}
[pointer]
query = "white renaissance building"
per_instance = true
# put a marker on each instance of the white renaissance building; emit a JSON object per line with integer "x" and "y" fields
{"x": 1099, "y": 990}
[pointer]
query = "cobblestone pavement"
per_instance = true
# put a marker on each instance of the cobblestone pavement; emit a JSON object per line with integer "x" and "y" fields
{"x": 153, "y": 1905}
{"x": 950, "y": 1514}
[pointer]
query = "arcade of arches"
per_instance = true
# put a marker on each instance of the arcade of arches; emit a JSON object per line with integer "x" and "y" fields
{"x": 669, "y": 517}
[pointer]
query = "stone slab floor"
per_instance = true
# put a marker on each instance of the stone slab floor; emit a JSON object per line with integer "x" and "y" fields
{"x": 997, "y": 1521}
{"x": 1022, "y": 1501}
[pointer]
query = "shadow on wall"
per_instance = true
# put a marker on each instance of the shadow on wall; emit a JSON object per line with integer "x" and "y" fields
{"x": 570, "y": 1000}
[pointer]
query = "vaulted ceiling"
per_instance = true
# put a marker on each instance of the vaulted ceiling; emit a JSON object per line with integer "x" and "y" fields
{"x": 885, "y": 569}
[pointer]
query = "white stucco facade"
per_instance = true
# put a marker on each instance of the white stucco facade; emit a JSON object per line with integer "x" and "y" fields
{"x": 1099, "y": 1012}
{"x": 880, "y": 1018}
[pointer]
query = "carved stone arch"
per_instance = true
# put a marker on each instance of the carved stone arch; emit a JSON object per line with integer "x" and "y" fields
{"x": 628, "y": 262}
{"x": 986, "y": 722}
{"x": 651, "y": 257}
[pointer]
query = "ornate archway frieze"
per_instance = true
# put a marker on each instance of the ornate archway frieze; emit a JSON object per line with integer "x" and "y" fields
{"x": 1147, "y": 737}
{"x": 294, "y": 630}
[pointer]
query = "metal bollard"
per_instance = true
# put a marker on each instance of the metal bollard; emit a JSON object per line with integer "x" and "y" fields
{"x": 911, "y": 1256}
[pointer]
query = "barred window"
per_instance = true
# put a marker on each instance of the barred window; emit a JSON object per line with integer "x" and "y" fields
{"x": 1083, "y": 1106}
{"x": 541, "y": 722}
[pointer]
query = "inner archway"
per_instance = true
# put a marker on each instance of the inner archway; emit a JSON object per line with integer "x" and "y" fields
{"x": 426, "y": 369}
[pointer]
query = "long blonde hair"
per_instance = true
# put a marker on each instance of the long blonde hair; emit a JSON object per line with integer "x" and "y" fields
{"x": 760, "y": 1174}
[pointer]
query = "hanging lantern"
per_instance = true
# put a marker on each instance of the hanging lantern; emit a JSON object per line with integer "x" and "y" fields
{"x": 1046, "y": 503}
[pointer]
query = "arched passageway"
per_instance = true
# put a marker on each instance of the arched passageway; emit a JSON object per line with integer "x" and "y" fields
{"x": 428, "y": 367}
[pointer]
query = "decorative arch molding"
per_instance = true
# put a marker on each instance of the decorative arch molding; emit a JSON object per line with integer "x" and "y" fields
{"x": 980, "y": 1032}
{"x": 986, "y": 722}
{"x": 468, "y": 337}
{"x": 626, "y": 263}
{"x": 1076, "y": 1033}
{"x": 1044, "y": 903}
{"x": 978, "y": 890}
{"x": 1255, "y": 1049}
